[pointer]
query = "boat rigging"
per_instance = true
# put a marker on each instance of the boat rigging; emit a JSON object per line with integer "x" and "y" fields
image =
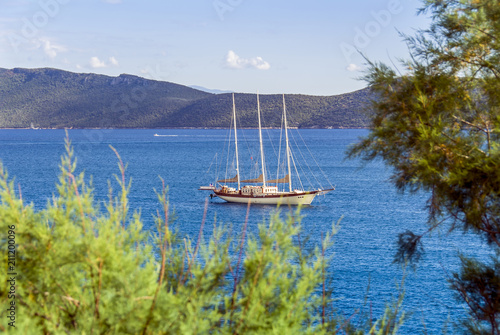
{"x": 263, "y": 193}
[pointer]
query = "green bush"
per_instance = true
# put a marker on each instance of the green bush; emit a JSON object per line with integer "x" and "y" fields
{"x": 84, "y": 269}
{"x": 437, "y": 124}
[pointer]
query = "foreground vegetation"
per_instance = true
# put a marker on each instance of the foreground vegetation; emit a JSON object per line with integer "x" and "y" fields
{"x": 81, "y": 269}
{"x": 438, "y": 126}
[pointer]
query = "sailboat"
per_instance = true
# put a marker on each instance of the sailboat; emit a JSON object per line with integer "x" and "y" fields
{"x": 264, "y": 193}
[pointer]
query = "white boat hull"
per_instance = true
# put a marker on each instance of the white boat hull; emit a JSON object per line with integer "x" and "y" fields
{"x": 295, "y": 199}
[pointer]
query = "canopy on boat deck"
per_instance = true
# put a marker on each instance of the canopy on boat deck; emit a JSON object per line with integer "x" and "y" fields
{"x": 232, "y": 180}
{"x": 260, "y": 179}
{"x": 285, "y": 179}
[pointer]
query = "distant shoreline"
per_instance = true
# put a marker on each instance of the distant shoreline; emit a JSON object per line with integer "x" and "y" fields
{"x": 201, "y": 128}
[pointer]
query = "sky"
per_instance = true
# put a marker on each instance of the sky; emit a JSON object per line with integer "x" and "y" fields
{"x": 295, "y": 47}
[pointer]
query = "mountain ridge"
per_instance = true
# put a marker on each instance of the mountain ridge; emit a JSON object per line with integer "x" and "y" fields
{"x": 53, "y": 98}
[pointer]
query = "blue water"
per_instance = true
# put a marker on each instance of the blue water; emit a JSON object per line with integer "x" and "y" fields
{"x": 373, "y": 212}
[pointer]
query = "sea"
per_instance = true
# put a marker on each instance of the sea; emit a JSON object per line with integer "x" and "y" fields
{"x": 366, "y": 206}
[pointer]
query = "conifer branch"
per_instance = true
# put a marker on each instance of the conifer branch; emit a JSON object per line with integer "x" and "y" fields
{"x": 236, "y": 273}
{"x": 163, "y": 249}
{"x": 99, "y": 287}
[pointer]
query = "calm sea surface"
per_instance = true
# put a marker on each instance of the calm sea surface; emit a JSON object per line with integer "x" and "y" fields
{"x": 373, "y": 212}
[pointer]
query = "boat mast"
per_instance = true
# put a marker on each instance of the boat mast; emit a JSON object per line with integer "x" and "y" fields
{"x": 287, "y": 147}
{"x": 261, "y": 147}
{"x": 236, "y": 145}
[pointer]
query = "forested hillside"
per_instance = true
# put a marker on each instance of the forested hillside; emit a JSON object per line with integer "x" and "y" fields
{"x": 51, "y": 98}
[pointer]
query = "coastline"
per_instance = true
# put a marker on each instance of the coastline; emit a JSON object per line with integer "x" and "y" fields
{"x": 119, "y": 128}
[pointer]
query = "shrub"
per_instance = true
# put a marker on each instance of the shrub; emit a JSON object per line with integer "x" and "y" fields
{"x": 82, "y": 269}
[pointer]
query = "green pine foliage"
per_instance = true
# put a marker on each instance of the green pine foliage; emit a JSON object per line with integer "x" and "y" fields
{"x": 85, "y": 269}
{"x": 438, "y": 126}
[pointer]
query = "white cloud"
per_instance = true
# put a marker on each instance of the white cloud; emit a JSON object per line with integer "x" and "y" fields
{"x": 234, "y": 61}
{"x": 50, "y": 48}
{"x": 353, "y": 68}
{"x": 96, "y": 63}
{"x": 43, "y": 45}
{"x": 113, "y": 61}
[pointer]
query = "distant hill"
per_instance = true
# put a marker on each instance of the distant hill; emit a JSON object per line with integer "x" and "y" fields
{"x": 209, "y": 90}
{"x": 51, "y": 98}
